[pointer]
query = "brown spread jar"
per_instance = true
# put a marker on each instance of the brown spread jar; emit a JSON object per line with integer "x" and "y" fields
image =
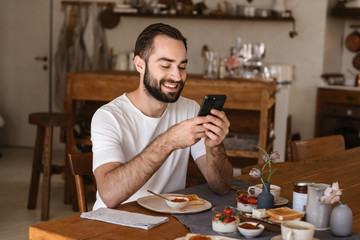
{"x": 300, "y": 195}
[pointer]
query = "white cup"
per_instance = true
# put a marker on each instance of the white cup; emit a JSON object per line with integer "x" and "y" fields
{"x": 297, "y": 230}
{"x": 257, "y": 189}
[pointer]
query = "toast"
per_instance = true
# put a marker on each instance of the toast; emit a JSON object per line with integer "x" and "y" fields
{"x": 193, "y": 199}
{"x": 284, "y": 213}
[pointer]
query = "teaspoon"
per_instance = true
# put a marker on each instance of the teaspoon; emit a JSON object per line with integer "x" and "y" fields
{"x": 158, "y": 195}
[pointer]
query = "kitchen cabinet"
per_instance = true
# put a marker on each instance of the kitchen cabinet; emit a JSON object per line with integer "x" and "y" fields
{"x": 338, "y": 112}
{"x": 249, "y": 105}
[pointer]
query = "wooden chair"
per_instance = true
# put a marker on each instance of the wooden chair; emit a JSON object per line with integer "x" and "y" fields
{"x": 321, "y": 146}
{"x": 81, "y": 166}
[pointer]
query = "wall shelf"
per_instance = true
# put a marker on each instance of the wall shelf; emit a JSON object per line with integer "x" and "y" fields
{"x": 343, "y": 12}
{"x": 209, "y": 17}
{"x": 290, "y": 19}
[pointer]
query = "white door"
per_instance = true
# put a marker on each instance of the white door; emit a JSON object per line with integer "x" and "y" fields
{"x": 24, "y": 83}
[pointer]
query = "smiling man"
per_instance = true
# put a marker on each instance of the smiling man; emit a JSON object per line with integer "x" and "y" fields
{"x": 142, "y": 139}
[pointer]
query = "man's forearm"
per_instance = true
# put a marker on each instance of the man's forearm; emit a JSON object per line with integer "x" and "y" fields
{"x": 219, "y": 169}
{"x": 122, "y": 182}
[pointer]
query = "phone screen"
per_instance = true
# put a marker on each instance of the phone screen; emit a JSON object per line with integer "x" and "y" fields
{"x": 211, "y": 102}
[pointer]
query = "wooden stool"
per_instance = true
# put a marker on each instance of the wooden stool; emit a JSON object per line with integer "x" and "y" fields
{"x": 43, "y": 155}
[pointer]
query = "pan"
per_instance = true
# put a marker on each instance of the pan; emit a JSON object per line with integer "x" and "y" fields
{"x": 108, "y": 19}
{"x": 356, "y": 61}
{"x": 352, "y": 41}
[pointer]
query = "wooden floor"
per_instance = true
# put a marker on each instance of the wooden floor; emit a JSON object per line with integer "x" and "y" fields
{"x": 15, "y": 170}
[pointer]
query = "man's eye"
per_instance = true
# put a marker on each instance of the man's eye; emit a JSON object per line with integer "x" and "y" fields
{"x": 165, "y": 66}
{"x": 182, "y": 67}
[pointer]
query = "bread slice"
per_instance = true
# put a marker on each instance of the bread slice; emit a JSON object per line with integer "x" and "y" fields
{"x": 284, "y": 213}
{"x": 193, "y": 199}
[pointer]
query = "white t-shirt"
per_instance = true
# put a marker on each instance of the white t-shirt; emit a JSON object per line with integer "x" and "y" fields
{"x": 120, "y": 131}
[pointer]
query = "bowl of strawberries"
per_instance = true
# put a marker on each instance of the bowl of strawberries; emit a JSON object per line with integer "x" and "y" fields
{"x": 246, "y": 203}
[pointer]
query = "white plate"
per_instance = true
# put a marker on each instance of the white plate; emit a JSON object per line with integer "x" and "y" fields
{"x": 157, "y": 204}
{"x": 278, "y": 237}
{"x": 281, "y": 201}
{"x": 189, "y": 235}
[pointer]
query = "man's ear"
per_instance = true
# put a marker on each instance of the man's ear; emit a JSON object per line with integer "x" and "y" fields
{"x": 139, "y": 64}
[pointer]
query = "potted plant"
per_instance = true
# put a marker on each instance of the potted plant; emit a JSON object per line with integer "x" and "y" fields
{"x": 265, "y": 198}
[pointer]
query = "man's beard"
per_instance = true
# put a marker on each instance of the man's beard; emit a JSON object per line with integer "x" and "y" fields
{"x": 154, "y": 88}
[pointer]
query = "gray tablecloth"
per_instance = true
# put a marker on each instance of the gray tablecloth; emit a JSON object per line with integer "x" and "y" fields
{"x": 200, "y": 223}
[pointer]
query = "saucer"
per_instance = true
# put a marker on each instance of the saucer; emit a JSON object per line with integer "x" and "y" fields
{"x": 278, "y": 237}
{"x": 281, "y": 201}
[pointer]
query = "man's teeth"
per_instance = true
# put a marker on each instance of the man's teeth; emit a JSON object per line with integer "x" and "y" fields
{"x": 169, "y": 85}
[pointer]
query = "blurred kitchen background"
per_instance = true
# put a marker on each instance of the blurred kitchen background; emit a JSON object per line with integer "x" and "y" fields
{"x": 308, "y": 42}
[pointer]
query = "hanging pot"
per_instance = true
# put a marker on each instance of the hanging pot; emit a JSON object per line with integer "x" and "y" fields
{"x": 352, "y": 41}
{"x": 356, "y": 61}
{"x": 108, "y": 19}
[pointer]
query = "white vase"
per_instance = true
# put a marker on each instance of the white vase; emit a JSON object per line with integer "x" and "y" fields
{"x": 317, "y": 213}
{"x": 341, "y": 220}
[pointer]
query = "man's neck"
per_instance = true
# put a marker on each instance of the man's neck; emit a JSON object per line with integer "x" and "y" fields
{"x": 146, "y": 103}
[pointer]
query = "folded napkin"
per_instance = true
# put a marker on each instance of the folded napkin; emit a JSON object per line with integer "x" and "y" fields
{"x": 124, "y": 218}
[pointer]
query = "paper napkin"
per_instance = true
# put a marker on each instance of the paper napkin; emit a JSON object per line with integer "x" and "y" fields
{"x": 124, "y": 218}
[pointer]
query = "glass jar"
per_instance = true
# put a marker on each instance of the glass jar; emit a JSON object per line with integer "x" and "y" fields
{"x": 211, "y": 66}
{"x": 300, "y": 195}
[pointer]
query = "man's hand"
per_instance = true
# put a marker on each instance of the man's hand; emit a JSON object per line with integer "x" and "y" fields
{"x": 186, "y": 133}
{"x": 216, "y": 128}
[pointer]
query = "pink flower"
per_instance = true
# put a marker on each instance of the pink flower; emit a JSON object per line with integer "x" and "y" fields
{"x": 332, "y": 194}
{"x": 268, "y": 159}
{"x": 255, "y": 173}
{"x": 232, "y": 62}
{"x": 274, "y": 156}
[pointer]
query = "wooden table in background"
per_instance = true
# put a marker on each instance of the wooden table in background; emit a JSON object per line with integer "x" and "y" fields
{"x": 344, "y": 168}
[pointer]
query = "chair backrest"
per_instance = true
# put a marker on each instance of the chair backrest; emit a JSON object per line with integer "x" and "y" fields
{"x": 81, "y": 165}
{"x": 93, "y": 90}
{"x": 316, "y": 147}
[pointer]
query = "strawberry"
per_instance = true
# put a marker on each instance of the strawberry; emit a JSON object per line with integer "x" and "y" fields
{"x": 252, "y": 200}
{"x": 227, "y": 211}
{"x": 228, "y": 219}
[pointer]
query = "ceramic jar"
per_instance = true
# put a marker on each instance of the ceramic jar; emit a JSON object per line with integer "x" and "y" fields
{"x": 317, "y": 213}
{"x": 341, "y": 220}
{"x": 265, "y": 200}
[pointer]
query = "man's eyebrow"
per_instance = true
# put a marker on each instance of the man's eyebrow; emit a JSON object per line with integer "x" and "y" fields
{"x": 170, "y": 60}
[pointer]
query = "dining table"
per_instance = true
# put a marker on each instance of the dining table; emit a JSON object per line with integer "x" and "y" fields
{"x": 343, "y": 167}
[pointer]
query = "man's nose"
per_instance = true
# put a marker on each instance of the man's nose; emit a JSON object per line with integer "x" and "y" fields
{"x": 176, "y": 74}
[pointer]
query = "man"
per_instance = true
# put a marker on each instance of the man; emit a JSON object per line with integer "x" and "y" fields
{"x": 142, "y": 139}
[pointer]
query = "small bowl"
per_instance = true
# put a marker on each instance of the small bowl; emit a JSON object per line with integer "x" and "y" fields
{"x": 250, "y": 233}
{"x": 177, "y": 203}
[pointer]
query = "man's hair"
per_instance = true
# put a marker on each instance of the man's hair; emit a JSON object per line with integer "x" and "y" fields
{"x": 144, "y": 43}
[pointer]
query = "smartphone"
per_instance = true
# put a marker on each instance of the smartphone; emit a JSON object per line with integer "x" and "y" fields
{"x": 211, "y": 102}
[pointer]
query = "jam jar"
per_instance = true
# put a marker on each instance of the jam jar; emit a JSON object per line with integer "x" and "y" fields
{"x": 300, "y": 195}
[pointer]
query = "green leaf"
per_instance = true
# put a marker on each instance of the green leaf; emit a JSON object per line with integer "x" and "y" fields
{"x": 222, "y": 216}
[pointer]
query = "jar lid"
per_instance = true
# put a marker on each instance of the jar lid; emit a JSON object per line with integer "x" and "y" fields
{"x": 302, "y": 183}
